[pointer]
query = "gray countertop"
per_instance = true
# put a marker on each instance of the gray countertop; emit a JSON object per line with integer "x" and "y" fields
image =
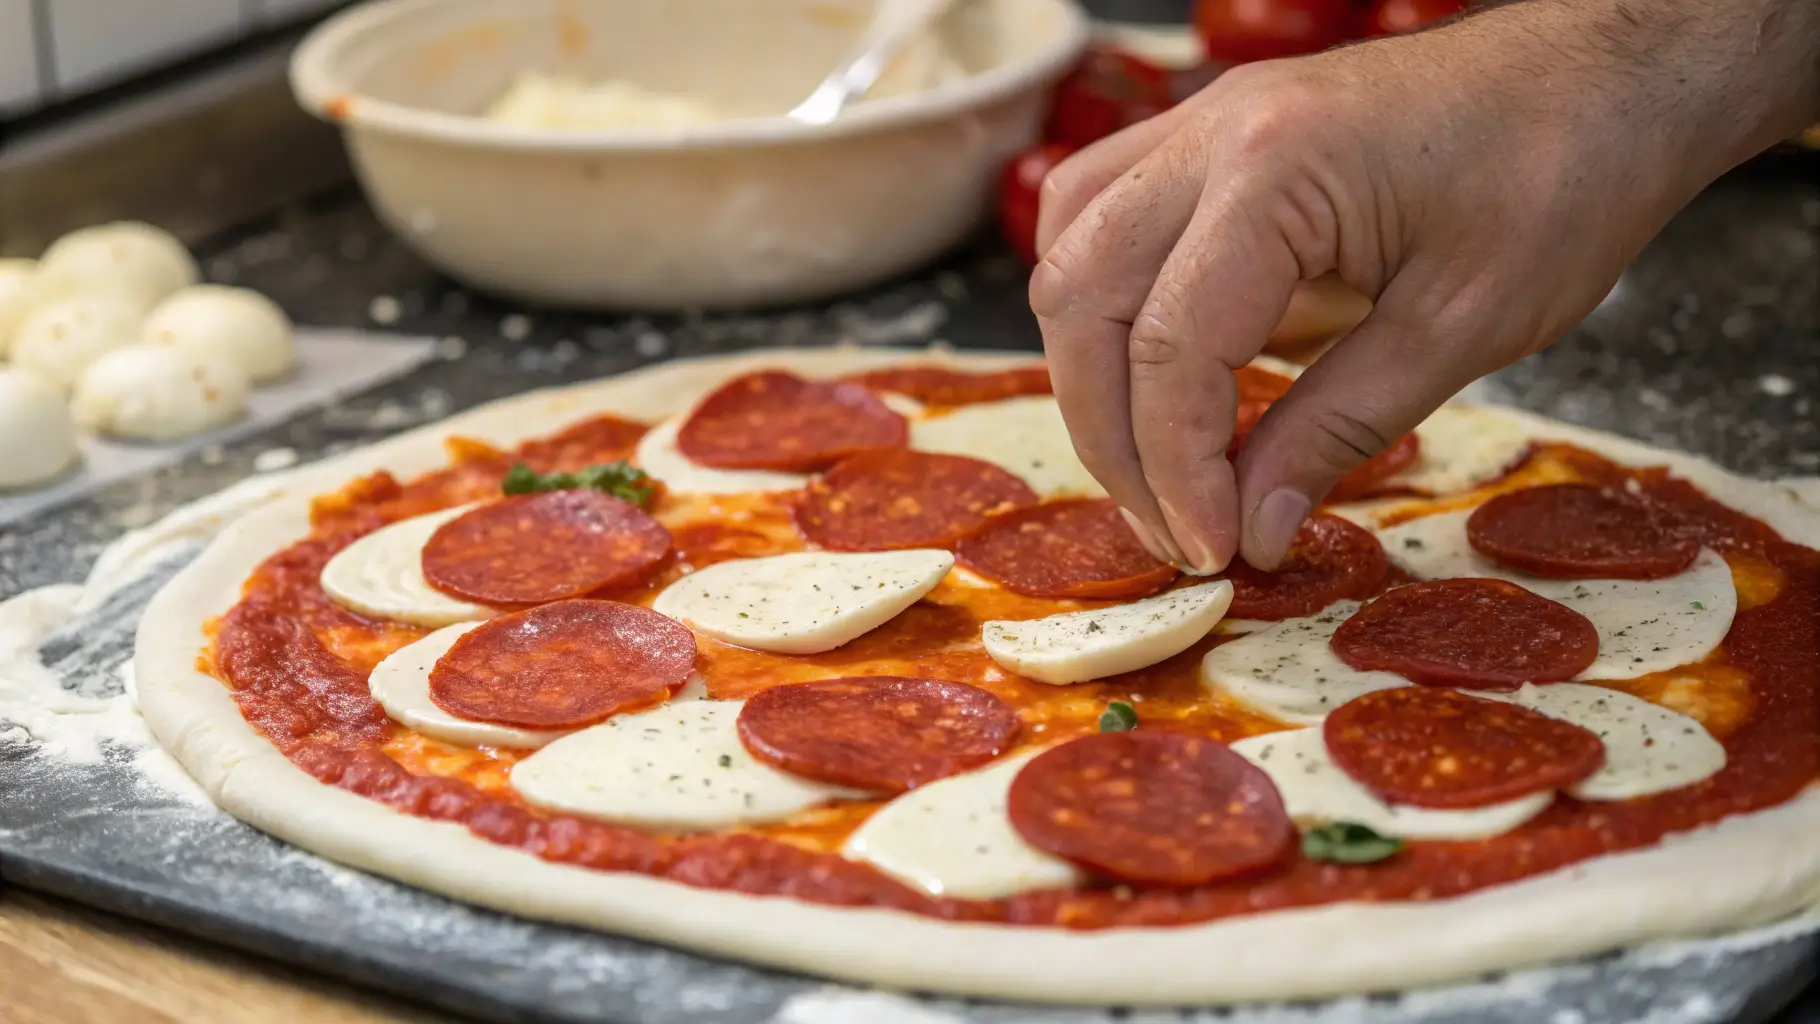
{"x": 1710, "y": 344}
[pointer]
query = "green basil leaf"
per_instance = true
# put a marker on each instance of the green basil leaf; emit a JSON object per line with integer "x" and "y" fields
{"x": 520, "y": 480}
{"x": 1118, "y": 717}
{"x": 619, "y": 479}
{"x": 1344, "y": 842}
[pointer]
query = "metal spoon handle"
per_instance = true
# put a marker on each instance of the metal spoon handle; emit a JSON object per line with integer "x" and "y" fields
{"x": 894, "y": 25}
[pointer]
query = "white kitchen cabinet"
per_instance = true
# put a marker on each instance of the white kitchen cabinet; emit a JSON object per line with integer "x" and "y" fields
{"x": 18, "y": 57}
{"x": 95, "y": 42}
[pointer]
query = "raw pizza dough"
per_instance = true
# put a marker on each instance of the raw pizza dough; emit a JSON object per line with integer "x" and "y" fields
{"x": 1744, "y": 871}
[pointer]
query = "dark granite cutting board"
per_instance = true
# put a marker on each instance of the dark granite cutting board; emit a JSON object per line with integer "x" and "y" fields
{"x": 1711, "y": 345}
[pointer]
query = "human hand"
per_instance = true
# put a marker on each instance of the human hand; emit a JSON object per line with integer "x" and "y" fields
{"x": 1485, "y": 183}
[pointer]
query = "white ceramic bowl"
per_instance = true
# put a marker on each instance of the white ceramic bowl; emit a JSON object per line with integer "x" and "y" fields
{"x": 755, "y": 211}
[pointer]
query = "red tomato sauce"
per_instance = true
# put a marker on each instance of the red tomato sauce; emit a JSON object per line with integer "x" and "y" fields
{"x": 298, "y": 663}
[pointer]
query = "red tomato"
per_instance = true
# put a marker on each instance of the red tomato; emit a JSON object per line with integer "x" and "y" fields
{"x": 1390, "y": 17}
{"x": 1020, "y": 190}
{"x": 1107, "y": 91}
{"x": 1238, "y": 31}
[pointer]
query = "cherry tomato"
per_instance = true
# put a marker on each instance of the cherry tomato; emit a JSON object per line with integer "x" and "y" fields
{"x": 1020, "y": 190}
{"x": 1390, "y": 17}
{"x": 1107, "y": 91}
{"x": 1238, "y": 31}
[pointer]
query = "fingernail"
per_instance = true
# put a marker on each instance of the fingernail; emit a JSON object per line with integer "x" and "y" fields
{"x": 1275, "y": 521}
{"x": 1195, "y": 557}
{"x": 1158, "y": 550}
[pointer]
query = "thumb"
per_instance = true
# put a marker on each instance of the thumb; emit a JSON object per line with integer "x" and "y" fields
{"x": 1386, "y": 377}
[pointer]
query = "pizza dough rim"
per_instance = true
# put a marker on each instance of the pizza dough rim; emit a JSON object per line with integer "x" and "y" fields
{"x": 1771, "y": 859}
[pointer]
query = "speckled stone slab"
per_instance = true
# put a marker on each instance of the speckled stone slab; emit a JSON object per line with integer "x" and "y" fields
{"x": 1711, "y": 344}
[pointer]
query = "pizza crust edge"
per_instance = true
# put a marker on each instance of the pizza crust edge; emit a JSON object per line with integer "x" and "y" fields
{"x": 1771, "y": 859}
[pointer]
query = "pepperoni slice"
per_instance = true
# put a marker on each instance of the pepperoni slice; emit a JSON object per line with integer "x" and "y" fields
{"x": 1078, "y": 548}
{"x": 544, "y": 547}
{"x": 886, "y": 733}
{"x": 1260, "y": 386}
{"x": 563, "y": 666}
{"x": 1160, "y": 808}
{"x": 777, "y": 420}
{"x": 939, "y": 386}
{"x": 882, "y": 501}
{"x": 1477, "y": 634}
{"x": 1578, "y": 532}
{"x": 1368, "y": 476}
{"x": 1449, "y": 750}
{"x": 1330, "y": 560}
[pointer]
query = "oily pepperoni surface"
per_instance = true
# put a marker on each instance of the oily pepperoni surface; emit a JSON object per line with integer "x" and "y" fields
{"x": 777, "y": 420}
{"x": 1079, "y": 549}
{"x": 1330, "y": 560}
{"x": 563, "y": 666}
{"x": 883, "y": 501}
{"x": 1576, "y": 532}
{"x": 885, "y": 733}
{"x": 938, "y": 386}
{"x": 1449, "y": 750}
{"x": 544, "y": 547}
{"x": 1163, "y": 808}
{"x": 1368, "y": 476}
{"x": 1472, "y": 633}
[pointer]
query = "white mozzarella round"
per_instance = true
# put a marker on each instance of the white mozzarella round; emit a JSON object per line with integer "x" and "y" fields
{"x": 1316, "y": 791}
{"x": 16, "y": 287}
{"x": 679, "y": 766}
{"x": 217, "y": 325}
{"x": 658, "y": 456}
{"x": 805, "y": 602}
{"x": 1460, "y": 448}
{"x": 59, "y": 339}
{"x": 1025, "y": 436}
{"x": 1648, "y": 748}
{"x": 905, "y": 406}
{"x": 1073, "y": 647}
{"x": 37, "y": 435}
{"x": 126, "y": 256}
{"x": 401, "y": 685}
{"x": 381, "y": 576}
{"x": 1288, "y": 670}
{"x": 952, "y": 838}
{"x": 148, "y": 393}
{"x": 1644, "y": 626}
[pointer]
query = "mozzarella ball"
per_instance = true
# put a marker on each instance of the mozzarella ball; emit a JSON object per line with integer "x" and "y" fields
{"x": 37, "y": 436}
{"x": 153, "y": 393}
{"x": 127, "y": 256}
{"x": 59, "y": 339}
{"x": 16, "y": 278}
{"x": 216, "y": 324}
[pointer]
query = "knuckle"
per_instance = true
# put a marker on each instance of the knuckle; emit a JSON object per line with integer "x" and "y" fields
{"x": 1052, "y": 285}
{"x": 1343, "y": 440}
{"x": 1065, "y": 187}
{"x": 1154, "y": 342}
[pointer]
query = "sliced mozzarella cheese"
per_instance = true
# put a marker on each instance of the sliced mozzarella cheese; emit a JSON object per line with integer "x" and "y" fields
{"x": 953, "y": 838}
{"x": 1644, "y": 626}
{"x": 1288, "y": 670}
{"x": 1076, "y": 646}
{"x": 1648, "y": 748}
{"x": 679, "y": 766}
{"x": 905, "y": 406}
{"x": 1461, "y": 448}
{"x": 381, "y": 576}
{"x": 1316, "y": 791}
{"x": 1025, "y": 436}
{"x": 401, "y": 685}
{"x": 805, "y": 602}
{"x": 658, "y": 455}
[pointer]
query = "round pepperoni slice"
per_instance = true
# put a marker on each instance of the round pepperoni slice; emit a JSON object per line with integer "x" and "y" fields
{"x": 1368, "y": 476}
{"x": 776, "y": 420}
{"x": 882, "y": 501}
{"x": 544, "y": 547}
{"x": 1080, "y": 549}
{"x": 885, "y": 733}
{"x": 939, "y": 386}
{"x": 1475, "y": 633}
{"x": 1330, "y": 560}
{"x": 1449, "y": 750}
{"x": 1160, "y": 808}
{"x": 1577, "y": 532}
{"x": 563, "y": 666}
